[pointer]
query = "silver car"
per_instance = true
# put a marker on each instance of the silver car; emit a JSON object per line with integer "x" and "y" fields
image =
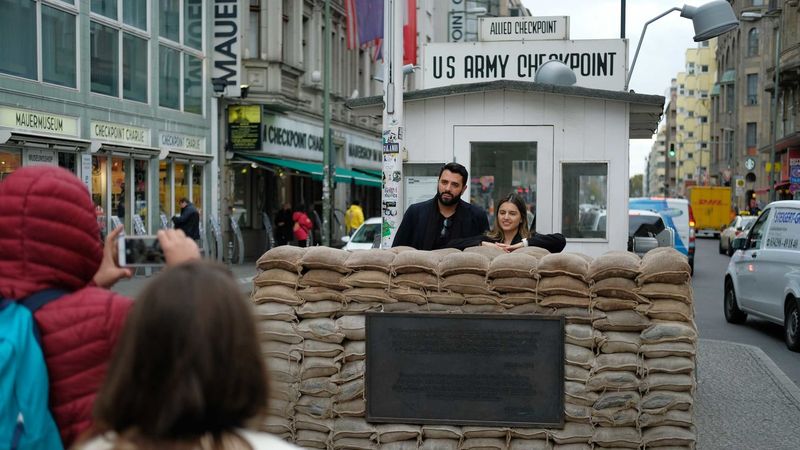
{"x": 738, "y": 227}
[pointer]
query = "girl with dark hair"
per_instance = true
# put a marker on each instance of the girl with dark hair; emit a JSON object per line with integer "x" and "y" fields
{"x": 187, "y": 372}
{"x": 511, "y": 230}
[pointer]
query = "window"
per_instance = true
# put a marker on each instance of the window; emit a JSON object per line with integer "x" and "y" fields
{"x": 169, "y": 78}
{"x": 105, "y": 62}
{"x": 690, "y": 155}
{"x": 58, "y": 47}
{"x": 690, "y": 113}
{"x": 690, "y": 68}
{"x": 180, "y": 55}
{"x": 703, "y": 119}
{"x": 690, "y": 134}
{"x": 729, "y": 98}
{"x": 754, "y": 238}
{"x": 752, "y": 89}
{"x": 752, "y": 134}
{"x": 704, "y": 68}
{"x": 691, "y": 92}
{"x": 24, "y": 39}
{"x": 113, "y": 28}
{"x": 752, "y": 42}
{"x": 585, "y": 200}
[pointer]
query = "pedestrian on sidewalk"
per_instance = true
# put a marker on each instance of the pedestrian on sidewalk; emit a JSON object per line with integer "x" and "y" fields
{"x": 189, "y": 372}
{"x": 302, "y": 225}
{"x": 353, "y": 217}
{"x": 283, "y": 225}
{"x": 49, "y": 239}
{"x": 189, "y": 219}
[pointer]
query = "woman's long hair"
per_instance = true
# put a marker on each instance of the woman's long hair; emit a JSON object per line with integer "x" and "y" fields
{"x": 188, "y": 366}
{"x": 496, "y": 233}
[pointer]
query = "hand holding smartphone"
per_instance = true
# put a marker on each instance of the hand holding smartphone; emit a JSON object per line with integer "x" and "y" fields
{"x": 140, "y": 251}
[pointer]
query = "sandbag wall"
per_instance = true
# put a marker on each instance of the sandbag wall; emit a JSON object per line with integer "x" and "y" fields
{"x": 630, "y": 341}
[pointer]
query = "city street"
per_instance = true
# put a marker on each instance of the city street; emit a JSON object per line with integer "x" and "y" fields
{"x": 708, "y": 286}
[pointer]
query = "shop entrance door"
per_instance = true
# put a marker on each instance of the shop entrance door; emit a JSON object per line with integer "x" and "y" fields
{"x": 505, "y": 159}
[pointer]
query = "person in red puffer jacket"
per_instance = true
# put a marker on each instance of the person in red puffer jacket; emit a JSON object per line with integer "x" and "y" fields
{"x": 49, "y": 239}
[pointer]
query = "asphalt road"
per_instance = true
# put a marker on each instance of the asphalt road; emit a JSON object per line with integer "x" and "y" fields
{"x": 709, "y": 271}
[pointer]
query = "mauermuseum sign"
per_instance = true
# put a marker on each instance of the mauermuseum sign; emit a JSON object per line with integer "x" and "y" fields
{"x": 597, "y": 63}
{"x": 465, "y": 369}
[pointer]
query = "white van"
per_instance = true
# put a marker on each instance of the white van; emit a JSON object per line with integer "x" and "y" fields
{"x": 763, "y": 276}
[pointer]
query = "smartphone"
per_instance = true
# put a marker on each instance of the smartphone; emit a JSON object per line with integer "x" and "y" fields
{"x": 140, "y": 251}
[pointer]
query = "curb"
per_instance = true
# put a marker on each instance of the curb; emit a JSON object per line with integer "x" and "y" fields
{"x": 784, "y": 382}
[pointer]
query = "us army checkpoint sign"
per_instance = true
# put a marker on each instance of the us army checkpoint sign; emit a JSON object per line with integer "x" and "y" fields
{"x": 597, "y": 63}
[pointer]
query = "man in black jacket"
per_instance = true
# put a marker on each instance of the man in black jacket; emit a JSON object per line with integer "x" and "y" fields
{"x": 431, "y": 224}
{"x": 189, "y": 220}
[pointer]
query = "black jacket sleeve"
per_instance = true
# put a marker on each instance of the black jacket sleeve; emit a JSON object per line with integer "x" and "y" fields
{"x": 554, "y": 243}
{"x": 183, "y": 218}
{"x": 404, "y": 231}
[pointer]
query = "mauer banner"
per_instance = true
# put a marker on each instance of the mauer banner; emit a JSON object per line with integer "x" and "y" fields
{"x": 597, "y": 63}
{"x": 244, "y": 127}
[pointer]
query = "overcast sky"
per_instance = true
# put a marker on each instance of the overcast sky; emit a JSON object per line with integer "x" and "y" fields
{"x": 663, "y": 50}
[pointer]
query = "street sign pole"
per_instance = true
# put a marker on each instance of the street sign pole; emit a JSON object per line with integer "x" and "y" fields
{"x": 393, "y": 125}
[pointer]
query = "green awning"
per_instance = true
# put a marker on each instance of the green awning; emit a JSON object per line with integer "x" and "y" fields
{"x": 370, "y": 172}
{"x": 341, "y": 175}
{"x": 728, "y": 77}
{"x": 715, "y": 89}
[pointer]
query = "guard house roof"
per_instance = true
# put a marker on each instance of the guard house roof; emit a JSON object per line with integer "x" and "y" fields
{"x": 645, "y": 110}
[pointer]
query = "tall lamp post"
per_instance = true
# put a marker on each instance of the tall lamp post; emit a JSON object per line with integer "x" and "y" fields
{"x": 326, "y": 130}
{"x": 709, "y": 20}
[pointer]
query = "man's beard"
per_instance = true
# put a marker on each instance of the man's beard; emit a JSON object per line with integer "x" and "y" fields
{"x": 455, "y": 199}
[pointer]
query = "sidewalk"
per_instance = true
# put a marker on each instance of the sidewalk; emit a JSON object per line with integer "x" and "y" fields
{"x": 743, "y": 400}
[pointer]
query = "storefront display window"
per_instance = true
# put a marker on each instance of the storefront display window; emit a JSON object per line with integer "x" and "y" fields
{"x": 99, "y": 191}
{"x": 181, "y": 183}
{"x": 120, "y": 206}
{"x": 164, "y": 198}
{"x": 501, "y": 168}
{"x": 140, "y": 180}
{"x": 10, "y": 160}
{"x": 68, "y": 161}
{"x": 585, "y": 200}
{"x": 197, "y": 187}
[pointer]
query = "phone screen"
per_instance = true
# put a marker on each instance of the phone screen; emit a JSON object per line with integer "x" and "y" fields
{"x": 141, "y": 251}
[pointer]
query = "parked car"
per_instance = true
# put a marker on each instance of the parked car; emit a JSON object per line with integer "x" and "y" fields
{"x": 365, "y": 235}
{"x": 677, "y": 215}
{"x": 646, "y": 231}
{"x": 738, "y": 227}
{"x": 763, "y": 276}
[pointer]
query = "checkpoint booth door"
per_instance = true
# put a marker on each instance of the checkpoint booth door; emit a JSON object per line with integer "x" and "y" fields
{"x": 508, "y": 158}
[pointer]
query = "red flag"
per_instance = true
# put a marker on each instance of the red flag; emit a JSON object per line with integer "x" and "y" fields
{"x": 356, "y": 14}
{"x": 410, "y": 33}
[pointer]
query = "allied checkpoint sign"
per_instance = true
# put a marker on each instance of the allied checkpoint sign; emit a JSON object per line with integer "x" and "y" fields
{"x": 523, "y": 28}
{"x": 597, "y": 63}
{"x": 465, "y": 369}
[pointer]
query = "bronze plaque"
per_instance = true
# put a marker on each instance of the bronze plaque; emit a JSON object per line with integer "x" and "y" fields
{"x": 465, "y": 369}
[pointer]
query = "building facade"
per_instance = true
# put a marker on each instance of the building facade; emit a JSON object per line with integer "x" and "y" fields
{"x": 114, "y": 92}
{"x": 653, "y": 184}
{"x": 742, "y": 123}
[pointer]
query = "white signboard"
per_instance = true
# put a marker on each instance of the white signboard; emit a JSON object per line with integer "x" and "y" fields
{"x": 598, "y": 64}
{"x": 86, "y": 170}
{"x": 363, "y": 152}
{"x": 22, "y": 119}
{"x": 523, "y": 28}
{"x": 124, "y": 134}
{"x": 457, "y": 21}
{"x": 419, "y": 189}
{"x": 182, "y": 142}
{"x": 227, "y": 54}
{"x": 784, "y": 231}
{"x": 36, "y": 157}
{"x": 291, "y": 138}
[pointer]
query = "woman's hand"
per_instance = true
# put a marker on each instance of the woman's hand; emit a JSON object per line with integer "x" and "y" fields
{"x": 109, "y": 271}
{"x": 177, "y": 247}
{"x": 494, "y": 245}
{"x": 511, "y": 248}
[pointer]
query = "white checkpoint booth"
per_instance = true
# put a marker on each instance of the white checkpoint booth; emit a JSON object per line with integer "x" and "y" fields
{"x": 565, "y": 149}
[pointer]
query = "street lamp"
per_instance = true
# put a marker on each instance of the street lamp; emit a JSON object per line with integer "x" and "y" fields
{"x": 751, "y": 15}
{"x": 709, "y": 20}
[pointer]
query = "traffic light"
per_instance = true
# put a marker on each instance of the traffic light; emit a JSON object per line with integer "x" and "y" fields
{"x": 671, "y": 150}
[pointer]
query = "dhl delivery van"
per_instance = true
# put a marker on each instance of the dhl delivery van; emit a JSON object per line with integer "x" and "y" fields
{"x": 712, "y": 208}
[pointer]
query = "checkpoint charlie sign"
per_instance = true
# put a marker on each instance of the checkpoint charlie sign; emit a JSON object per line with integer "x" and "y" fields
{"x": 523, "y": 28}
{"x": 597, "y": 63}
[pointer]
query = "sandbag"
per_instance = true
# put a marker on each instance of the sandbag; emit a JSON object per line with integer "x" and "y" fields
{"x": 668, "y": 435}
{"x": 563, "y": 264}
{"x": 613, "y": 380}
{"x": 324, "y": 330}
{"x": 466, "y": 284}
{"x": 621, "y": 342}
{"x": 351, "y": 408}
{"x": 520, "y": 284}
{"x": 617, "y": 288}
{"x": 367, "y": 279}
{"x": 351, "y": 390}
{"x": 664, "y": 265}
{"x": 517, "y": 298}
{"x": 572, "y": 433}
{"x": 675, "y": 418}
{"x": 489, "y": 252}
{"x": 441, "y": 432}
{"x": 615, "y": 417}
{"x": 617, "y": 361}
{"x": 576, "y": 373}
{"x": 668, "y": 382}
{"x": 284, "y": 257}
{"x": 391, "y": 432}
{"x": 279, "y": 277}
{"x": 317, "y": 294}
{"x": 659, "y": 402}
{"x": 322, "y": 349}
{"x": 623, "y": 437}
{"x": 416, "y": 261}
{"x": 312, "y": 310}
{"x": 316, "y": 407}
{"x": 330, "y": 279}
{"x": 318, "y": 387}
{"x": 460, "y": 263}
{"x": 320, "y": 257}
{"x": 577, "y": 413}
{"x": 532, "y": 308}
{"x": 669, "y": 349}
{"x": 625, "y": 320}
{"x": 316, "y": 367}
{"x": 525, "y": 444}
{"x": 276, "y": 294}
{"x": 669, "y": 332}
{"x": 274, "y": 311}
{"x": 579, "y": 356}
{"x": 617, "y": 400}
{"x": 536, "y": 252}
{"x": 416, "y": 280}
{"x": 368, "y": 295}
{"x": 566, "y": 301}
{"x": 279, "y": 426}
{"x": 439, "y": 444}
{"x": 578, "y": 394}
{"x": 306, "y": 422}
{"x": 402, "y": 307}
{"x": 354, "y": 444}
{"x": 512, "y": 265}
{"x": 353, "y": 327}
{"x": 276, "y": 330}
{"x": 282, "y": 350}
{"x": 408, "y": 295}
{"x": 667, "y": 291}
{"x": 581, "y": 335}
{"x": 672, "y": 310}
{"x": 528, "y": 433}
{"x": 614, "y": 264}
{"x": 348, "y": 427}
{"x": 354, "y": 350}
{"x": 578, "y": 314}
{"x": 483, "y": 444}
{"x": 563, "y": 285}
{"x": 283, "y": 390}
{"x": 351, "y": 371}
{"x": 374, "y": 259}
{"x": 669, "y": 364}
{"x": 613, "y": 304}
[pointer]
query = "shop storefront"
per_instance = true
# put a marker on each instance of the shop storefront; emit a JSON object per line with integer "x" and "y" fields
{"x": 283, "y": 165}
{"x": 29, "y": 138}
{"x": 183, "y": 171}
